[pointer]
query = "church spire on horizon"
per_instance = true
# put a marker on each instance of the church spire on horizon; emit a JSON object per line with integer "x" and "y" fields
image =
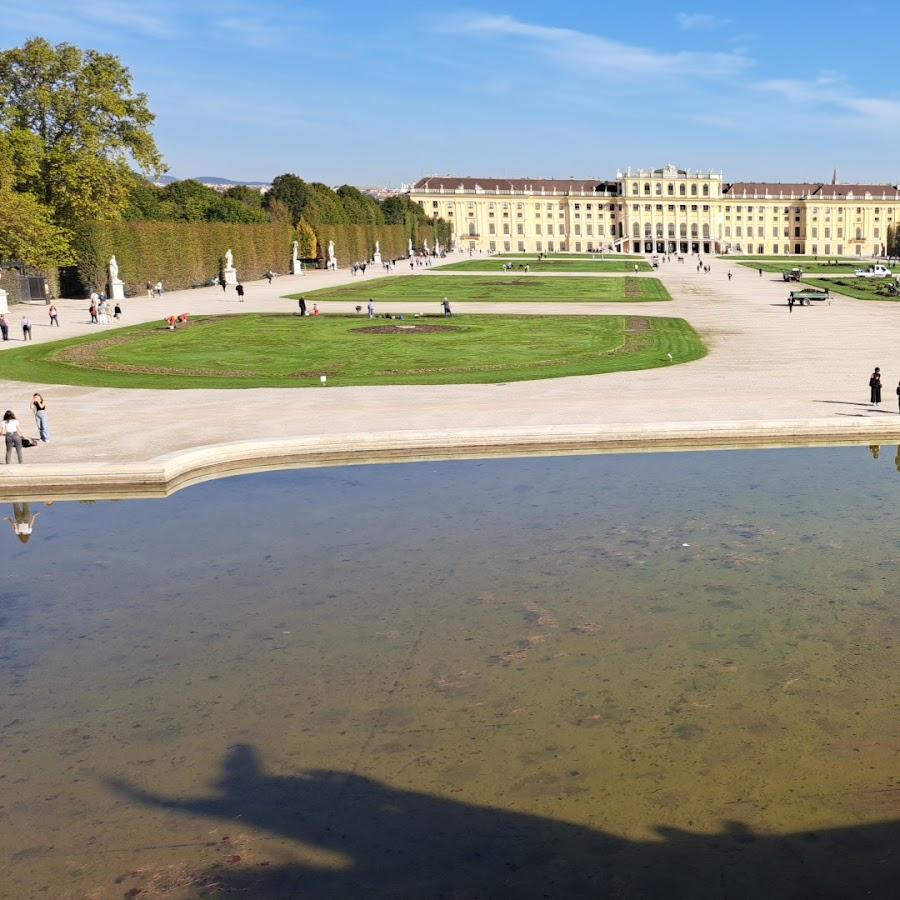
{"x": 834, "y": 176}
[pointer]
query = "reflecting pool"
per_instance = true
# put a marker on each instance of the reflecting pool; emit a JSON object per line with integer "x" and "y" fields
{"x": 626, "y": 676}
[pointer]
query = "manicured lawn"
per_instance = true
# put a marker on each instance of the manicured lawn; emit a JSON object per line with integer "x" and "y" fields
{"x": 861, "y": 288}
{"x": 816, "y": 264}
{"x": 254, "y": 350}
{"x": 534, "y": 255}
{"x": 552, "y": 265}
{"x": 431, "y": 289}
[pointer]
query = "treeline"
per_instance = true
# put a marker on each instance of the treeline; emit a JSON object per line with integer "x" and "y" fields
{"x": 314, "y": 208}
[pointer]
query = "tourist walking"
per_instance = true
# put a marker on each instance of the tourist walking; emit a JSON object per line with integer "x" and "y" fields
{"x": 54, "y": 317}
{"x": 149, "y": 290}
{"x": 760, "y": 273}
{"x": 13, "y": 434}
{"x": 370, "y": 306}
{"x": 875, "y": 387}
{"x": 240, "y": 292}
{"x": 26, "y": 328}
{"x": 445, "y": 305}
{"x": 117, "y": 312}
{"x": 729, "y": 275}
{"x": 40, "y": 417}
{"x": 4, "y": 328}
{"x": 270, "y": 275}
{"x": 224, "y": 285}
{"x": 158, "y": 289}
{"x": 790, "y": 302}
{"x": 302, "y": 304}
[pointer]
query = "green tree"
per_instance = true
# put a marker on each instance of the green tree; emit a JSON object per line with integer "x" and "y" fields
{"x": 27, "y": 231}
{"x": 359, "y": 207}
{"x": 89, "y": 123}
{"x": 290, "y": 190}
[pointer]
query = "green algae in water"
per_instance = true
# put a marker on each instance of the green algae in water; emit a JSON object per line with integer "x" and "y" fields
{"x": 641, "y": 675}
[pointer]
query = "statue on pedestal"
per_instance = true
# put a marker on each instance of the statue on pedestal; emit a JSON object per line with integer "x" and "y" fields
{"x": 409, "y": 248}
{"x": 229, "y": 275}
{"x": 116, "y": 287}
{"x": 296, "y": 265}
{"x": 332, "y": 260}
{"x": 376, "y": 258}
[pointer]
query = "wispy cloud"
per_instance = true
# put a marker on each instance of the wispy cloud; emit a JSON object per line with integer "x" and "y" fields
{"x": 699, "y": 21}
{"x": 831, "y": 94}
{"x": 594, "y": 54}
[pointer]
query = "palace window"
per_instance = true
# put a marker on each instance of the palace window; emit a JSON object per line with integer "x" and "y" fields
{"x": 705, "y": 190}
{"x": 671, "y": 191}
{"x": 693, "y": 190}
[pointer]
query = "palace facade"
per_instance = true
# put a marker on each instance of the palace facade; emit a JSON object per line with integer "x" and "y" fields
{"x": 668, "y": 210}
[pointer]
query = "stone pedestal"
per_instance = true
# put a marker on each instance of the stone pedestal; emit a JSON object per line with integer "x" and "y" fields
{"x": 230, "y": 275}
{"x": 376, "y": 259}
{"x": 4, "y": 302}
{"x": 117, "y": 290}
{"x": 296, "y": 266}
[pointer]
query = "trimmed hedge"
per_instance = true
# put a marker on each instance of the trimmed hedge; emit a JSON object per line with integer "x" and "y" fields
{"x": 180, "y": 254}
{"x": 356, "y": 243}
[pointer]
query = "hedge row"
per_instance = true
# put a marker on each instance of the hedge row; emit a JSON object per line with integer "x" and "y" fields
{"x": 355, "y": 243}
{"x": 180, "y": 254}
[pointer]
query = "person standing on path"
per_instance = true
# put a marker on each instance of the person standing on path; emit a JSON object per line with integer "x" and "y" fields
{"x": 93, "y": 311}
{"x": 729, "y": 275}
{"x": 159, "y": 290}
{"x": 13, "y": 434}
{"x": 40, "y": 417}
{"x": 302, "y": 304}
{"x": 4, "y": 328}
{"x": 446, "y": 307}
{"x": 26, "y": 328}
{"x": 875, "y": 387}
{"x": 760, "y": 273}
{"x": 117, "y": 311}
{"x": 791, "y": 302}
{"x": 54, "y": 317}
{"x": 370, "y": 307}
{"x": 240, "y": 292}
{"x": 149, "y": 290}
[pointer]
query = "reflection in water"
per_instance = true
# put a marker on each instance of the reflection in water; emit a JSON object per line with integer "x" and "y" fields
{"x": 22, "y": 521}
{"x": 584, "y": 676}
{"x": 875, "y": 450}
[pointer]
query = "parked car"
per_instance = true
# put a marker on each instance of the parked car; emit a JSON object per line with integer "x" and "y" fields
{"x": 876, "y": 271}
{"x": 794, "y": 274}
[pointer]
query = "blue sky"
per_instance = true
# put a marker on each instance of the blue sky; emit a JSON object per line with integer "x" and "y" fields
{"x": 384, "y": 92}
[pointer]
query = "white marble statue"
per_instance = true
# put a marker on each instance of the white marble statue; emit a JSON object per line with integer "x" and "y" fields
{"x": 378, "y": 247}
{"x": 409, "y": 247}
{"x": 229, "y": 259}
{"x": 332, "y": 259}
{"x": 296, "y": 265}
{"x": 295, "y": 249}
{"x": 116, "y": 287}
{"x": 437, "y": 247}
{"x": 425, "y": 246}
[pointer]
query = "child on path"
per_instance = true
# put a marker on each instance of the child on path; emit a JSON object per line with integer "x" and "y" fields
{"x": 54, "y": 317}
{"x": 26, "y": 328}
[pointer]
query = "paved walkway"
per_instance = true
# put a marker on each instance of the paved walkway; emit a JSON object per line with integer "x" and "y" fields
{"x": 764, "y": 364}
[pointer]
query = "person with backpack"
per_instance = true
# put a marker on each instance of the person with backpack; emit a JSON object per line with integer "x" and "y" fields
{"x": 240, "y": 292}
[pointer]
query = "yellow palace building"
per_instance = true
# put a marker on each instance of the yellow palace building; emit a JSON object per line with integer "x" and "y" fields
{"x": 668, "y": 210}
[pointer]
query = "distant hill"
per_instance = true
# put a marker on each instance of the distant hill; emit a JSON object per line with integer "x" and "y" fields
{"x": 213, "y": 181}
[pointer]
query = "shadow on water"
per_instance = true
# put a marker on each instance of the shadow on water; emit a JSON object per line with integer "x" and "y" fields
{"x": 399, "y": 843}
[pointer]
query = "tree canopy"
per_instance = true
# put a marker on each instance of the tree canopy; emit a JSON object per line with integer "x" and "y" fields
{"x": 90, "y": 127}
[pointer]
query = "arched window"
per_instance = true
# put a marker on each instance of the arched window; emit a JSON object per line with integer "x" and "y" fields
{"x": 671, "y": 229}
{"x": 671, "y": 190}
{"x": 658, "y": 189}
{"x": 634, "y": 188}
{"x": 659, "y": 229}
{"x": 705, "y": 190}
{"x": 472, "y": 230}
{"x": 681, "y": 190}
{"x": 646, "y": 188}
{"x": 859, "y": 236}
{"x": 693, "y": 231}
{"x": 636, "y": 229}
{"x": 682, "y": 230}
{"x": 693, "y": 190}
{"x": 706, "y": 231}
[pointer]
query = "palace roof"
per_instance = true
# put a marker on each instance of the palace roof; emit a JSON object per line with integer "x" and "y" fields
{"x": 812, "y": 190}
{"x": 451, "y": 183}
